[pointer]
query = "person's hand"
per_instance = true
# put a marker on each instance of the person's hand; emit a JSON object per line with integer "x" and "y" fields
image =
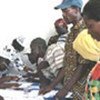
{"x": 13, "y": 85}
{"x": 9, "y": 85}
{"x": 46, "y": 89}
{"x": 14, "y": 78}
{"x": 60, "y": 95}
{"x": 26, "y": 69}
{"x": 28, "y": 75}
{"x": 11, "y": 78}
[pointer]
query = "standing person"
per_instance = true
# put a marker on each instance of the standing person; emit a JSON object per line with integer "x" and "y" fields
{"x": 91, "y": 48}
{"x": 75, "y": 65}
{"x": 62, "y": 31}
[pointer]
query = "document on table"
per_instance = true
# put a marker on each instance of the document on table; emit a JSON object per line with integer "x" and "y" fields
{"x": 10, "y": 94}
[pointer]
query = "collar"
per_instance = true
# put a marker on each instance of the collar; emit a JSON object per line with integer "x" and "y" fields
{"x": 79, "y": 24}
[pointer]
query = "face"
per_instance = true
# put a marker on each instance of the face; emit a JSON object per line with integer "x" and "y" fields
{"x": 93, "y": 27}
{"x": 35, "y": 53}
{"x": 70, "y": 14}
{"x": 61, "y": 29}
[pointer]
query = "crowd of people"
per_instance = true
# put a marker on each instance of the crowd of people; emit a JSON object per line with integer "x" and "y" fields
{"x": 70, "y": 61}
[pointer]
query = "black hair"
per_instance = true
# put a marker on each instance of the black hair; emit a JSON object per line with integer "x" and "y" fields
{"x": 40, "y": 43}
{"x": 92, "y": 10}
{"x": 7, "y": 61}
{"x": 75, "y": 7}
{"x": 17, "y": 46}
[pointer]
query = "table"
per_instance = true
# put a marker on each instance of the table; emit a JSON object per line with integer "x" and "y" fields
{"x": 27, "y": 91}
{"x": 30, "y": 94}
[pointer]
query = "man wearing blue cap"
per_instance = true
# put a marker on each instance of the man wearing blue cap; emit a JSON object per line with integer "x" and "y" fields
{"x": 74, "y": 64}
{"x": 71, "y": 10}
{"x": 68, "y": 3}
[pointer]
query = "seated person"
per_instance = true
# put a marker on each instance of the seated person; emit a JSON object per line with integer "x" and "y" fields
{"x": 14, "y": 53}
{"x": 51, "y": 67}
{"x": 38, "y": 48}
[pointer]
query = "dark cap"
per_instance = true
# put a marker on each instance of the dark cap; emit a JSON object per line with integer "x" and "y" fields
{"x": 68, "y": 3}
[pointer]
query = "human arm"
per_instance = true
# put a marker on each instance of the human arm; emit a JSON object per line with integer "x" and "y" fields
{"x": 9, "y": 85}
{"x": 42, "y": 65}
{"x": 55, "y": 81}
{"x": 69, "y": 83}
{"x": 8, "y": 78}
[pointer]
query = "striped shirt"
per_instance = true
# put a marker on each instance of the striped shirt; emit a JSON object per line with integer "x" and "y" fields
{"x": 54, "y": 56}
{"x": 62, "y": 38}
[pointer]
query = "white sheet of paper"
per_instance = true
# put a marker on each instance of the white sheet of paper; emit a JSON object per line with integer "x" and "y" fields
{"x": 10, "y": 94}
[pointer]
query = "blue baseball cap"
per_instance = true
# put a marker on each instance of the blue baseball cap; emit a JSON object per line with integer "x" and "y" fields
{"x": 68, "y": 3}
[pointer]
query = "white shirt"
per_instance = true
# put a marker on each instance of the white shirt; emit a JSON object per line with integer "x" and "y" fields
{"x": 16, "y": 65}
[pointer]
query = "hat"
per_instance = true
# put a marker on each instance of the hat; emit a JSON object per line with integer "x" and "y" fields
{"x": 68, "y": 3}
{"x": 20, "y": 40}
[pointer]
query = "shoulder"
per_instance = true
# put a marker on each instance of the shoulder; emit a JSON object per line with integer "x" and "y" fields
{"x": 54, "y": 47}
{"x": 82, "y": 35}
